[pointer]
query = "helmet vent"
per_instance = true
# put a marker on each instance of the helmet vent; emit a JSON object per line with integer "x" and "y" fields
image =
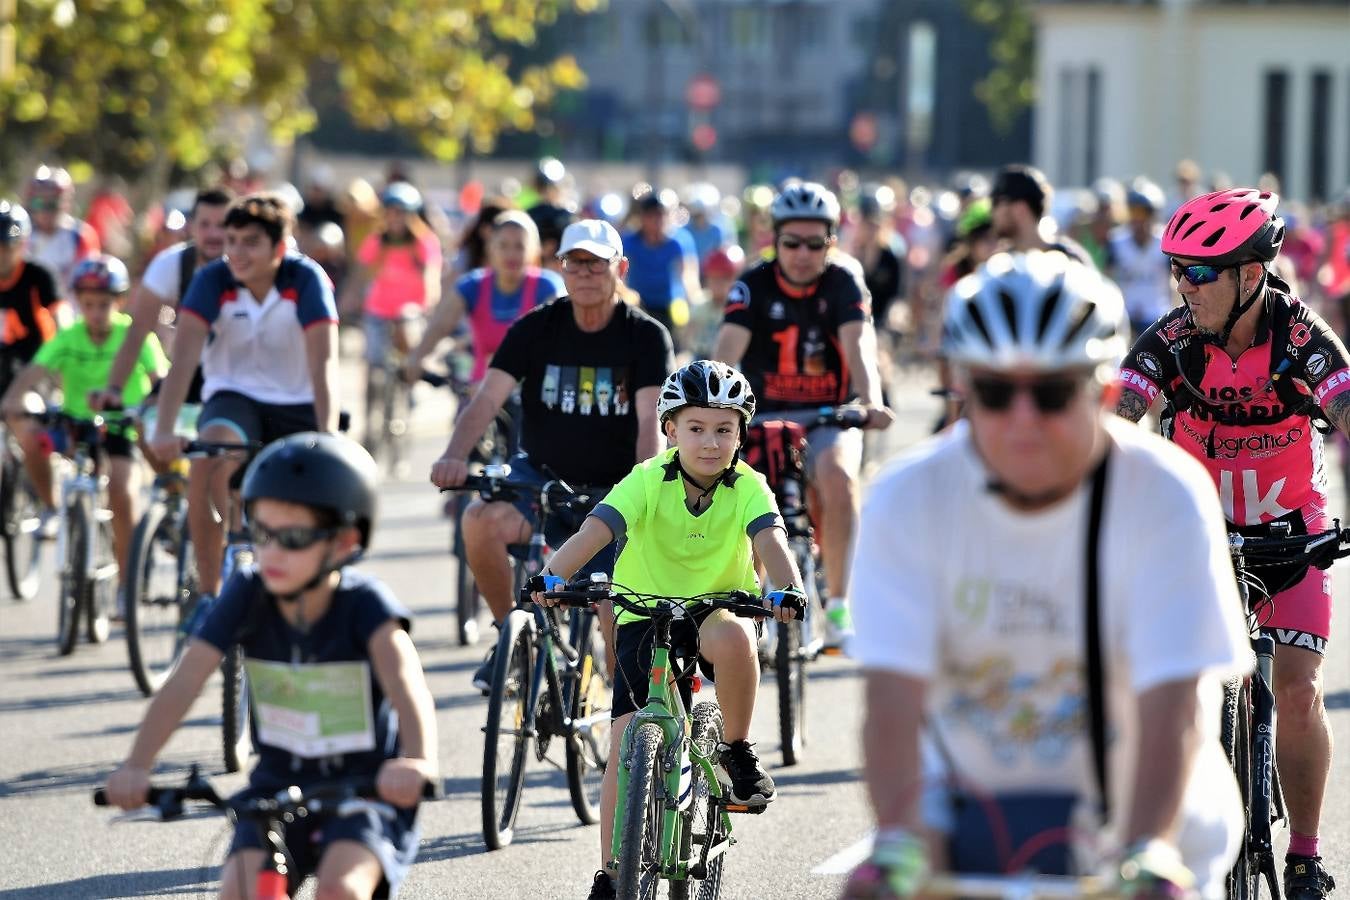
{"x": 977, "y": 319}
{"x": 1218, "y": 207}
{"x": 1009, "y": 305}
{"x": 1048, "y": 309}
{"x": 1080, "y": 322}
{"x": 1193, "y": 229}
{"x": 1180, "y": 223}
{"x": 1248, "y": 210}
{"x": 1213, "y": 238}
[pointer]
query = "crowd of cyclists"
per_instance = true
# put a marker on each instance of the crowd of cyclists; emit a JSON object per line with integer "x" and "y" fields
{"x": 636, "y": 337}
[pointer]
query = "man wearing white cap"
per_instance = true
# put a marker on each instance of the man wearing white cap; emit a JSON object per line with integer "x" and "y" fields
{"x": 589, "y": 368}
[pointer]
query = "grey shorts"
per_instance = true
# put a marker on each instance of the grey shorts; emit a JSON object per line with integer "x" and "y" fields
{"x": 379, "y": 333}
{"x": 848, "y": 440}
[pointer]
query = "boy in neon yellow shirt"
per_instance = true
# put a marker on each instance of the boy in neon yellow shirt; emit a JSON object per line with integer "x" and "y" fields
{"x": 694, "y": 518}
{"x": 79, "y": 358}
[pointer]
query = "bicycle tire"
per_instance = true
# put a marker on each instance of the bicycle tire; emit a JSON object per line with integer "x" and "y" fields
{"x": 504, "y": 774}
{"x": 467, "y": 601}
{"x": 639, "y": 854}
{"x": 396, "y": 424}
{"x": 18, "y": 524}
{"x": 71, "y": 601}
{"x": 1243, "y": 881}
{"x": 594, "y": 693}
{"x": 101, "y": 590}
{"x": 157, "y": 523}
{"x": 703, "y": 826}
{"x": 234, "y": 711}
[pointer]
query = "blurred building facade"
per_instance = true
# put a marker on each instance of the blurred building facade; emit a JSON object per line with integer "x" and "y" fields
{"x": 1240, "y": 86}
{"x": 802, "y": 85}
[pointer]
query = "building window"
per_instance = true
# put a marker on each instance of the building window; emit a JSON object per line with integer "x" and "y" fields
{"x": 1319, "y": 136}
{"x": 921, "y": 93}
{"x": 750, "y": 28}
{"x": 1079, "y": 124}
{"x": 1276, "y": 120}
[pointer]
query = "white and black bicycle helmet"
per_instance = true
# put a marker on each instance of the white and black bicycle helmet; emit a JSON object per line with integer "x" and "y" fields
{"x": 806, "y": 201}
{"x": 1037, "y": 309}
{"x": 708, "y": 384}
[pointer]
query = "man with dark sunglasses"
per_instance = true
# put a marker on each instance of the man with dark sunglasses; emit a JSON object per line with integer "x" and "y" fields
{"x": 972, "y": 584}
{"x": 800, "y": 327}
{"x": 1250, "y": 378}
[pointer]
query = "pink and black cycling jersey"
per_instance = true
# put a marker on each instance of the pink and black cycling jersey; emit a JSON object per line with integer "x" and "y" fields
{"x": 1264, "y": 453}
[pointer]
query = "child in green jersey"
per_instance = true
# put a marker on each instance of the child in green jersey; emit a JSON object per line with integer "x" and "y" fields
{"x": 694, "y": 519}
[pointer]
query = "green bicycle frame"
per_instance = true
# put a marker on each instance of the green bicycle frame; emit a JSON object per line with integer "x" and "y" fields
{"x": 665, "y": 707}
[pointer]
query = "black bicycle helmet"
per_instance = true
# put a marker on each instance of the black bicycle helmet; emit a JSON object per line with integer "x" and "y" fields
{"x": 325, "y": 471}
{"x": 14, "y": 222}
{"x": 709, "y": 384}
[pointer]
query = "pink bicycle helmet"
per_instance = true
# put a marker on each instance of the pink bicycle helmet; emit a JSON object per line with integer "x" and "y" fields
{"x": 1226, "y": 228}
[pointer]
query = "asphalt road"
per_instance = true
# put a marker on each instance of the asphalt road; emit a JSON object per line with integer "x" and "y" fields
{"x": 66, "y": 722}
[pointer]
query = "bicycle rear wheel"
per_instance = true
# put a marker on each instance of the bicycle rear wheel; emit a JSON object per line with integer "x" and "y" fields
{"x": 71, "y": 603}
{"x": 1244, "y": 881}
{"x": 588, "y": 752}
{"x": 703, "y": 820}
{"x": 19, "y": 525}
{"x": 640, "y": 854}
{"x": 235, "y": 740}
{"x": 790, "y": 661}
{"x": 505, "y": 742}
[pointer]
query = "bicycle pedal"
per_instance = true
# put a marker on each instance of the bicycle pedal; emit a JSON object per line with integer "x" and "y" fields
{"x": 744, "y": 809}
{"x": 832, "y": 651}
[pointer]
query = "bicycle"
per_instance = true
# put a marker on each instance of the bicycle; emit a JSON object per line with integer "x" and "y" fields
{"x": 392, "y": 396}
{"x": 277, "y": 877}
{"x": 161, "y": 584}
{"x": 495, "y": 447}
{"x": 84, "y": 541}
{"x": 798, "y": 642}
{"x": 1248, "y": 731}
{"x": 543, "y": 685}
{"x": 235, "y": 739}
{"x": 671, "y": 821}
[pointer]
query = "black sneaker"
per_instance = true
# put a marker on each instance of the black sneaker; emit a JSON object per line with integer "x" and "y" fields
{"x": 1306, "y": 879}
{"x": 482, "y": 679}
{"x": 602, "y": 888}
{"x": 741, "y": 775}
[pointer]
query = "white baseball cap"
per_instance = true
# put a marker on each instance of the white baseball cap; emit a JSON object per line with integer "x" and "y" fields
{"x": 594, "y": 236}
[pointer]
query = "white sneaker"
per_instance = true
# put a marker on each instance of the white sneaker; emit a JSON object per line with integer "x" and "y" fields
{"x": 838, "y": 626}
{"x": 49, "y": 523}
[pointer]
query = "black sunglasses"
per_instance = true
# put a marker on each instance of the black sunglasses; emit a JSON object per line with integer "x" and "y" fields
{"x": 293, "y": 537}
{"x": 1050, "y": 395}
{"x": 815, "y": 244}
{"x": 1199, "y": 274}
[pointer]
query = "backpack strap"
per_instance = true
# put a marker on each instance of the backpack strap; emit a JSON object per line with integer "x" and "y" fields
{"x": 1286, "y": 364}
{"x": 1096, "y": 679}
{"x": 187, "y": 267}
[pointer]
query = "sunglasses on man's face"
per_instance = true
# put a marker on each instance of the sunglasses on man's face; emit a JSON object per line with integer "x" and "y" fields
{"x": 43, "y": 204}
{"x": 792, "y": 242}
{"x": 293, "y": 537}
{"x": 1050, "y": 395}
{"x": 1198, "y": 275}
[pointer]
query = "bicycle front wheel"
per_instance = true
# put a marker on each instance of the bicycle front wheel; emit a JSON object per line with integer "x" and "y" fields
{"x": 640, "y": 853}
{"x": 235, "y": 739}
{"x": 101, "y": 587}
{"x": 19, "y": 525}
{"x": 156, "y": 595}
{"x": 466, "y": 589}
{"x": 588, "y": 745}
{"x": 505, "y": 741}
{"x": 1244, "y": 881}
{"x": 73, "y": 593}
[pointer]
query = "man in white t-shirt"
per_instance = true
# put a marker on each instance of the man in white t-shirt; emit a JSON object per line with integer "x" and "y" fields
{"x": 1135, "y": 261}
{"x": 972, "y": 628}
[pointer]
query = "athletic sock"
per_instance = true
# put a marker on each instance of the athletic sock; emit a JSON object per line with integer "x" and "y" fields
{"x": 1302, "y": 844}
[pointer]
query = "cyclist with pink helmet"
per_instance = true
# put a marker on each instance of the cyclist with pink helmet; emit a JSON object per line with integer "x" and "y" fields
{"x": 1252, "y": 378}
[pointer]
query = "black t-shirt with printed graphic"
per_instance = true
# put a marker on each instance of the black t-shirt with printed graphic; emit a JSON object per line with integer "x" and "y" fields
{"x": 577, "y": 387}
{"x": 795, "y": 359}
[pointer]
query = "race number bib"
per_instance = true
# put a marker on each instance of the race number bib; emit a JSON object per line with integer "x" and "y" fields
{"x": 313, "y": 709}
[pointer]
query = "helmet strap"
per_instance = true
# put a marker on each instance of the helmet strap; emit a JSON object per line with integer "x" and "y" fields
{"x": 704, "y": 492}
{"x": 1239, "y": 307}
{"x": 326, "y": 568}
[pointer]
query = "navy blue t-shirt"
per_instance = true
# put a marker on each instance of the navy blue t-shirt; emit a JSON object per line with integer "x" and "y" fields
{"x": 246, "y": 614}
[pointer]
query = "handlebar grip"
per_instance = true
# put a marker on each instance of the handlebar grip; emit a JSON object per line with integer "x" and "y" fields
{"x": 434, "y": 379}
{"x": 433, "y": 790}
{"x": 100, "y": 797}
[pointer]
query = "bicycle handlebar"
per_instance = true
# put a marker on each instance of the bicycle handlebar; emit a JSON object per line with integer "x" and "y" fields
{"x": 343, "y": 796}
{"x": 554, "y": 494}
{"x": 1319, "y": 550}
{"x": 583, "y": 592}
{"x": 220, "y": 448}
{"x": 824, "y": 416}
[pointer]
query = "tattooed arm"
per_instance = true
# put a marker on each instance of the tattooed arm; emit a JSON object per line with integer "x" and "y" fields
{"x": 1337, "y": 412}
{"x": 1133, "y": 406}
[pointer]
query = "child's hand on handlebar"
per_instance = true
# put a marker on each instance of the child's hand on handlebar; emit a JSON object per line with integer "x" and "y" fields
{"x": 128, "y": 787}
{"x": 786, "y": 604}
{"x": 400, "y": 781}
{"x": 540, "y": 584}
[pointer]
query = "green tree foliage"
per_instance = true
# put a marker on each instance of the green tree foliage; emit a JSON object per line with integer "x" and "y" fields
{"x": 134, "y": 86}
{"x": 1010, "y": 86}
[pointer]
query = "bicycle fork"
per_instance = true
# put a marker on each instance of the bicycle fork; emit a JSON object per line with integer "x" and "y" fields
{"x": 1263, "y": 760}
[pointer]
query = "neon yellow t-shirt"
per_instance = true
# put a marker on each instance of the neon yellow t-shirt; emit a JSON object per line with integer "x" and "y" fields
{"x": 84, "y": 366}
{"x": 670, "y": 550}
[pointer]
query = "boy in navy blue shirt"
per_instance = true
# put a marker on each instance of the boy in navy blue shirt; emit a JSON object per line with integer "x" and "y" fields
{"x": 336, "y": 686}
